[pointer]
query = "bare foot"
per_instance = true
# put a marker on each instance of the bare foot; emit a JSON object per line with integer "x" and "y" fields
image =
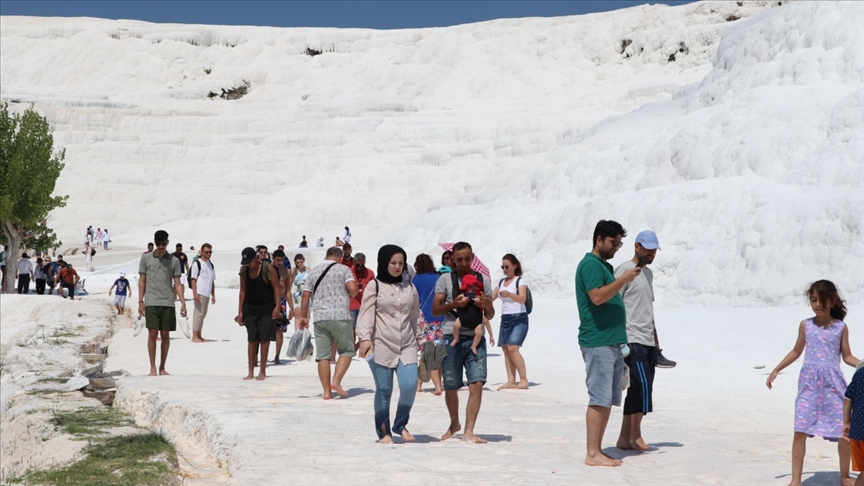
{"x": 507, "y": 386}
{"x": 522, "y": 385}
{"x": 466, "y": 437}
{"x": 249, "y": 377}
{"x": 406, "y": 436}
{"x": 386, "y": 440}
{"x": 164, "y": 373}
{"x": 197, "y": 340}
{"x": 153, "y": 372}
{"x": 261, "y": 377}
{"x": 452, "y": 430}
{"x": 602, "y": 460}
{"x": 276, "y": 361}
{"x": 437, "y": 392}
{"x": 848, "y": 481}
{"x": 639, "y": 445}
{"x": 327, "y": 396}
{"x": 338, "y": 389}
{"x": 624, "y": 445}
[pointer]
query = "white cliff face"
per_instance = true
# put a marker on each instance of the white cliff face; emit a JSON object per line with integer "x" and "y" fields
{"x": 744, "y": 154}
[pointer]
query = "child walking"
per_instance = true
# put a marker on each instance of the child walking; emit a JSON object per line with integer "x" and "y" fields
{"x": 824, "y": 340}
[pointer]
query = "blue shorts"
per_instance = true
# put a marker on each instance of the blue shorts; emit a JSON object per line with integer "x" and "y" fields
{"x": 604, "y": 375}
{"x": 514, "y": 328}
{"x": 461, "y": 356}
{"x": 354, "y": 314}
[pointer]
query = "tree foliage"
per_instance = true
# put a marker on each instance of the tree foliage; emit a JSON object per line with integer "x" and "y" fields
{"x": 28, "y": 173}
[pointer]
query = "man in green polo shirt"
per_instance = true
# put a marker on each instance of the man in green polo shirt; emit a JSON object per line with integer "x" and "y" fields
{"x": 158, "y": 285}
{"x": 602, "y": 331}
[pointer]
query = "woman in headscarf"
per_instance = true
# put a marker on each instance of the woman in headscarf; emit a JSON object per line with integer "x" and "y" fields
{"x": 389, "y": 340}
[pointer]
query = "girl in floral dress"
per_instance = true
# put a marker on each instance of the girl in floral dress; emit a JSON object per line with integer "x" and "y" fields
{"x": 824, "y": 340}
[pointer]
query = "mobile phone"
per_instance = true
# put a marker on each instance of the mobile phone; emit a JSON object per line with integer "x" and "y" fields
{"x": 642, "y": 262}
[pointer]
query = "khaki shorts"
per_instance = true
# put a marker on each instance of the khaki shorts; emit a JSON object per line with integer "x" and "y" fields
{"x": 328, "y": 331}
{"x": 161, "y": 318}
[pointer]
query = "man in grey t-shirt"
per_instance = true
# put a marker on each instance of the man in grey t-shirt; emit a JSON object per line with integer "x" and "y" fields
{"x": 158, "y": 286}
{"x": 332, "y": 319}
{"x": 638, "y": 298}
{"x": 460, "y": 357}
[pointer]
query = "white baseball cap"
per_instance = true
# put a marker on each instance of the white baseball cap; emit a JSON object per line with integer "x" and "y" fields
{"x": 122, "y": 273}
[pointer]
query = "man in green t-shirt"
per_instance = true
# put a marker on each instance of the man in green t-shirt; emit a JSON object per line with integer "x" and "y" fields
{"x": 602, "y": 331}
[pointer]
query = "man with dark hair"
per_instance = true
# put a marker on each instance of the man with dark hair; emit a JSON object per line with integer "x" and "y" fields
{"x": 263, "y": 254}
{"x": 158, "y": 286}
{"x": 184, "y": 268}
{"x": 347, "y": 259}
{"x": 363, "y": 276}
{"x": 460, "y": 357}
{"x": 602, "y": 334}
{"x": 283, "y": 275}
{"x": 25, "y": 273}
{"x": 332, "y": 285}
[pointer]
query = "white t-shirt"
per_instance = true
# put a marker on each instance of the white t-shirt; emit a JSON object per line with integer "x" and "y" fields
{"x": 204, "y": 278}
{"x": 89, "y": 238}
{"x": 639, "y": 303}
{"x": 25, "y": 267}
{"x": 509, "y": 306}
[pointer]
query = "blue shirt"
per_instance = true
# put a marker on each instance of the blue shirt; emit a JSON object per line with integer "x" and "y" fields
{"x": 122, "y": 286}
{"x": 855, "y": 394}
{"x": 425, "y": 285}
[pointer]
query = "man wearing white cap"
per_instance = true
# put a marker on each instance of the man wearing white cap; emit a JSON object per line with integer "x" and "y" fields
{"x": 122, "y": 291}
{"x": 645, "y": 353}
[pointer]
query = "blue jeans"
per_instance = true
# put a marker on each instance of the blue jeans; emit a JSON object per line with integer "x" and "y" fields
{"x": 461, "y": 357}
{"x": 406, "y": 375}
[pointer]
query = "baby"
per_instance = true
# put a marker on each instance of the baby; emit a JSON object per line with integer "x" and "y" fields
{"x": 470, "y": 316}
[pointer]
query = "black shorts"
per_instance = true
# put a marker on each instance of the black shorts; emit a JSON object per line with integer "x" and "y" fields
{"x": 642, "y": 362}
{"x": 259, "y": 328}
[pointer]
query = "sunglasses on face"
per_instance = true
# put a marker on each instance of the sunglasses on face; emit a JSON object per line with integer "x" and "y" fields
{"x": 505, "y": 267}
{"x": 617, "y": 243}
{"x": 207, "y": 252}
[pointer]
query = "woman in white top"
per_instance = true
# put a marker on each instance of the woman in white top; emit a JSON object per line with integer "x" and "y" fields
{"x": 390, "y": 338}
{"x": 347, "y": 236}
{"x": 297, "y": 278}
{"x": 513, "y": 292}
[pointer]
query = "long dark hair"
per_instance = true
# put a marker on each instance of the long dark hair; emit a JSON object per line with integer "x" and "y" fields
{"x": 515, "y": 262}
{"x": 446, "y": 253}
{"x": 424, "y": 264}
{"x": 825, "y": 291}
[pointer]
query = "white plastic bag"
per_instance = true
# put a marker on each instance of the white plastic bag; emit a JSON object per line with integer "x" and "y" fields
{"x": 300, "y": 345}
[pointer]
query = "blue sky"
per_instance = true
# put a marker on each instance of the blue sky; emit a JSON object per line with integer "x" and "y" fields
{"x": 371, "y": 14}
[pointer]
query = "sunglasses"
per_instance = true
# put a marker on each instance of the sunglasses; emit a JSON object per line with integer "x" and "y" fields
{"x": 617, "y": 243}
{"x": 505, "y": 268}
{"x": 207, "y": 251}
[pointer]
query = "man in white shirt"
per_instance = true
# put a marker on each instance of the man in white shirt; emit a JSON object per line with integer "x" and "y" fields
{"x": 203, "y": 277}
{"x": 25, "y": 274}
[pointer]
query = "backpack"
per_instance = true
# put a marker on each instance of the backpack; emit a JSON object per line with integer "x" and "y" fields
{"x": 265, "y": 269}
{"x": 529, "y": 299}
{"x": 189, "y": 277}
{"x": 92, "y": 252}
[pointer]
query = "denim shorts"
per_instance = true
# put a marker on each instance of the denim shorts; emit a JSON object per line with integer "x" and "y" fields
{"x": 604, "y": 375}
{"x": 461, "y": 356}
{"x": 514, "y": 328}
{"x": 354, "y": 314}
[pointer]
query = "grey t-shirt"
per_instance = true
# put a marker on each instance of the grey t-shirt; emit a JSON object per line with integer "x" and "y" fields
{"x": 639, "y": 303}
{"x": 331, "y": 299}
{"x": 160, "y": 272}
{"x": 445, "y": 286}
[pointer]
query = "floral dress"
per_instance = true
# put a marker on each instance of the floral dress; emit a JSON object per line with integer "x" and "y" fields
{"x": 821, "y": 385}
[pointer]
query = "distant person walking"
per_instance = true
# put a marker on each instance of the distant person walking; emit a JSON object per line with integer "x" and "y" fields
{"x": 339, "y": 242}
{"x": 158, "y": 286}
{"x": 149, "y": 248}
{"x": 51, "y": 275}
{"x": 184, "y": 268}
{"x": 602, "y": 334}
{"x": 98, "y": 236}
{"x": 425, "y": 279}
{"x": 638, "y": 298}
{"x": 40, "y": 275}
{"x": 362, "y": 276}
{"x": 460, "y": 358}
{"x": 824, "y": 341}
{"x": 25, "y": 274}
{"x": 105, "y": 239}
{"x": 203, "y": 277}
{"x": 513, "y": 291}
{"x": 298, "y": 278}
{"x": 283, "y": 275}
{"x": 332, "y": 285}
{"x": 259, "y": 308}
{"x": 390, "y": 335}
{"x": 347, "y": 236}
{"x": 88, "y": 257}
{"x": 69, "y": 279}
{"x": 304, "y": 243}
{"x": 320, "y": 242}
{"x": 123, "y": 289}
{"x": 347, "y": 259}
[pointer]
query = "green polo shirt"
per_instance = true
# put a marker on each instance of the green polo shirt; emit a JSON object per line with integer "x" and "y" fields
{"x": 604, "y": 324}
{"x": 160, "y": 272}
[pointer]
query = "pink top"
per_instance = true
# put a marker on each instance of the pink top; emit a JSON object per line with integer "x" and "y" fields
{"x": 393, "y": 329}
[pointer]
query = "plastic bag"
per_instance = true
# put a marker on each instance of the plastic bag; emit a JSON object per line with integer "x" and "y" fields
{"x": 300, "y": 345}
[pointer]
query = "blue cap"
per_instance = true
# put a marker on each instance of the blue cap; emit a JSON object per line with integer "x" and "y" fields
{"x": 648, "y": 240}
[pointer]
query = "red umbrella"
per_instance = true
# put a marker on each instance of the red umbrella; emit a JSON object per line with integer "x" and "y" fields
{"x": 476, "y": 264}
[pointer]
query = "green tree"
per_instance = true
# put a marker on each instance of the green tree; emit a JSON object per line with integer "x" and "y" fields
{"x": 28, "y": 173}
